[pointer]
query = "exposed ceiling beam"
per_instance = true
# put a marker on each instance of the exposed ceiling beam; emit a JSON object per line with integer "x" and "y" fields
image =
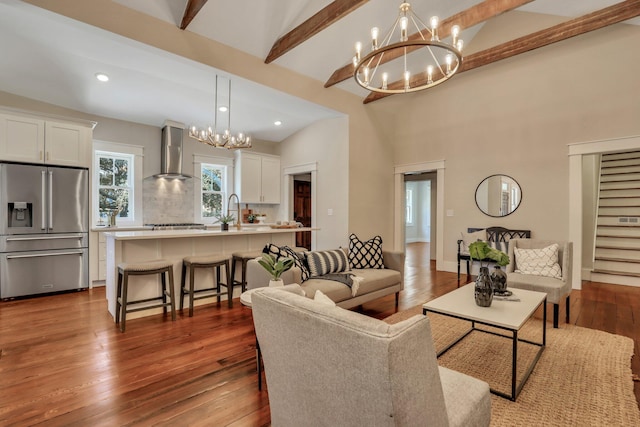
{"x": 333, "y": 12}
{"x": 465, "y": 19}
{"x": 614, "y": 14}
{"x": 190, "y": 12}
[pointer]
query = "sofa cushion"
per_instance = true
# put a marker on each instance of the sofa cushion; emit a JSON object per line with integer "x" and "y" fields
{"x": 365, "y": 254}
{"x": 286, "y": 252}
{"x": 375, "y": 279}
{"x": 538, "y": 262}
{"x": 325, "y": 262}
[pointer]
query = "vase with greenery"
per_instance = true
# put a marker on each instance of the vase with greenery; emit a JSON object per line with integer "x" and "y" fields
{"x": 224, "y": 221}
{"x": 275, "y": 267}
{"x": 480, "y": 251}
{"x": 251, "y": 218}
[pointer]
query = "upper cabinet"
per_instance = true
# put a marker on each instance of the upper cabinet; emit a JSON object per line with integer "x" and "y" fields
{"x": 257, "y": 177}
{"x": 36, "y": 140}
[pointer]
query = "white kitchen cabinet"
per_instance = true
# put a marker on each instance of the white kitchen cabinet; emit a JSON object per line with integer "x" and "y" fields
{"x": 257, "y": 177}
{"x": 35, "y": 140}
{"x": 21, "y": 139}
{"x": 67, "y": 144}
{"x": 102, "y": 257}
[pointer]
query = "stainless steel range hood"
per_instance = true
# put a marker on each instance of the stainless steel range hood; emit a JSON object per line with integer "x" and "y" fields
{"x": 171, "y": 151}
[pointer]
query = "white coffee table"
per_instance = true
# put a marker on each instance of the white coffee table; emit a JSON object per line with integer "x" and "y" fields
{"x": 507, "y": 315}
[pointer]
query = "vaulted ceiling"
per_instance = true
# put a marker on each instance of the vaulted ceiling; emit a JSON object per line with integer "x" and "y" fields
{"x": 311, "y": 37}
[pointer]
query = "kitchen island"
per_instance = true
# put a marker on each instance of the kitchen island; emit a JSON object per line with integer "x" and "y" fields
{"x": 174, "y": 245}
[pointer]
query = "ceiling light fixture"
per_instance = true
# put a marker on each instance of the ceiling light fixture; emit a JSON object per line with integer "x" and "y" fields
{"x": 277, "y": 123}
{"x": 432, "y": 61}
{"x": 210, "y": 136}
{"x": 102, "y": 77}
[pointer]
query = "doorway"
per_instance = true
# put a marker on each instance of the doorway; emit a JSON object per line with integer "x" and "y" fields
{"x": 302, "y": 208}
{"x": 419, "y": 205}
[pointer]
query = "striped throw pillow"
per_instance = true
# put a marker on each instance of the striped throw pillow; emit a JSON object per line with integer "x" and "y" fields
{"x": 325, "y": 262}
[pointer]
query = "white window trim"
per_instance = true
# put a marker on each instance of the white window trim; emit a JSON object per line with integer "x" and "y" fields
{"x": 198, "y": 160}
{"x": 409, "y": 205}
{"x": 138, "y": 155}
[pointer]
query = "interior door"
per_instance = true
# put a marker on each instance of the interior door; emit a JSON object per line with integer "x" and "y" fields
{"x": 69, "y": 200}
{"x": 302, "y": 211}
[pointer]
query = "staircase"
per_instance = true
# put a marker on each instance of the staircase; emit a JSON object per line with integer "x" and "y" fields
{"x": 617, "y": 245}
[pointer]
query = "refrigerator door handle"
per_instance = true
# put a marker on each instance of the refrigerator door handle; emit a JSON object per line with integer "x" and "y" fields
{"x": 21, "y": 239}
{"x": 50, "y": 199}
{"x": 44, "y": 254}
{"x": 43, "y": 187}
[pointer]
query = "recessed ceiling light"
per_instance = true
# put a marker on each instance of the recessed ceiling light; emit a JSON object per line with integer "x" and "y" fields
{"x": 277, "y": 123}
{"x": 222, "y": 109}
{"x": 102, "y": 77}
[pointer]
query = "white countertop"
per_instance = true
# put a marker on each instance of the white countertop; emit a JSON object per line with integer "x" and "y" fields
{"x": 176, "y": 234}
{"x": 105, "y": 228}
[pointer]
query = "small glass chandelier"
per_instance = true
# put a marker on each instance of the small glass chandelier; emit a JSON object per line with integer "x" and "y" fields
{"x": 226, "y": 139}
{"x": 432, "y": 60}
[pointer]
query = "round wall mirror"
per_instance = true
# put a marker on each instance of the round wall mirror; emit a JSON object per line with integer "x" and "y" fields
{"x": 498, "y": 195}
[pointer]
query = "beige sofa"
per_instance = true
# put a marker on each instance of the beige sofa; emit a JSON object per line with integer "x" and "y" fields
{"x": 377, "y": 282}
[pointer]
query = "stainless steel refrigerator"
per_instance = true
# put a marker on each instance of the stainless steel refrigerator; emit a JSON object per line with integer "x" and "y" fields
{"x": 44, "y": 229}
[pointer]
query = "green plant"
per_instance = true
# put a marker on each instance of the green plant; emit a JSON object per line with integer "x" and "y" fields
{"x": 251, "y": 218}
{"x": 275, "y": 268}
{"x": 225, "y": 219}
{"x": 482, "y": 252}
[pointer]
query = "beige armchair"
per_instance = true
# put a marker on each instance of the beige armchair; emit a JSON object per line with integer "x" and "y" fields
{"x": 327, "y": 366}
{"x": 556, "y": 289}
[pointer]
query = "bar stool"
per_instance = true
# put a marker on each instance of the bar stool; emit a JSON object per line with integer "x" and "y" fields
{"x": 205, "y": 261}
{"x": 139, "y": 269}
{"x": 242, "y": 257}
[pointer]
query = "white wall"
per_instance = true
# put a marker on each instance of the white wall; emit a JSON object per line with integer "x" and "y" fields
{"x": 326, "y": 144}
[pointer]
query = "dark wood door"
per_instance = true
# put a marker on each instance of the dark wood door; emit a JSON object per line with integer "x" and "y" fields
{"x": 302, "y": 211}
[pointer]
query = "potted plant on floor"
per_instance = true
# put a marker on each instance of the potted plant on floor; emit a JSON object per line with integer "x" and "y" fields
{"x": 275, "y": 267}
{"x": 482, "y": 252}
{"x": 224, "y": 221}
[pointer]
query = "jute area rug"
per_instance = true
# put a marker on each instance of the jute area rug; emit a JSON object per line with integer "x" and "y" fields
{"x": 583, "y": 377}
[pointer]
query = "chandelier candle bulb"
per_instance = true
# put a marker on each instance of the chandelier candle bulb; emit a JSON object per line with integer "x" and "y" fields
{"x": 459, "y": 45}
{"x": 385, "y": 78}
{"x": 430, "y": 74}
{"x": 455, "y": 32}
{"x": 374, "y": 38}
{"x": 434, "y": 21}
{"x": 449, "y": 60}
{"x": 366, "y": 74}
{"x": 407, "y": 76}
{"x": 404, "y": 23}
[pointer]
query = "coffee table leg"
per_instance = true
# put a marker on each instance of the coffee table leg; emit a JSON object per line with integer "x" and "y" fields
{"x": 514, "y": 366}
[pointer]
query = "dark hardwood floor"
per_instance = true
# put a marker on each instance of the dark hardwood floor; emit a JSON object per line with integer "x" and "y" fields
{"x": 63, "y": 362}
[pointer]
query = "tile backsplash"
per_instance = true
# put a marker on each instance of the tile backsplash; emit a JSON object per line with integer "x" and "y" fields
{"x": 172, "y": 201}
{"x": 167, "y": 200}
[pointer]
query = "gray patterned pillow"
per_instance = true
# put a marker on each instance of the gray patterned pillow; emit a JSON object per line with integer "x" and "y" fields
{"x": 365, "y": 254}
{"x": 287, "y": 252}
{"x": 325, "y": 262}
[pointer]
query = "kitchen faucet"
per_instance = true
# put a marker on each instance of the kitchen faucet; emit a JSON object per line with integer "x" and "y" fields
{"x": 238, "y": 225}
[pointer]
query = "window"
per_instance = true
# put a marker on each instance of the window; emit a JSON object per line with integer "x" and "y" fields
{"x": 409, "y": 206}
{"x": 117, "y": 183}
{"x": 213, "y": 190}
{"x": 115, "y": 187}
{"x": 213, "y": 184}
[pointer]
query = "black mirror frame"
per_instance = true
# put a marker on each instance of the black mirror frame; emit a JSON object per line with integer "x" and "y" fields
{"x": 491, "y": 176}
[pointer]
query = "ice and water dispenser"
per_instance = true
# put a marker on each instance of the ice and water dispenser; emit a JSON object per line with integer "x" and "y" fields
{"x": 20, "y": 214}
